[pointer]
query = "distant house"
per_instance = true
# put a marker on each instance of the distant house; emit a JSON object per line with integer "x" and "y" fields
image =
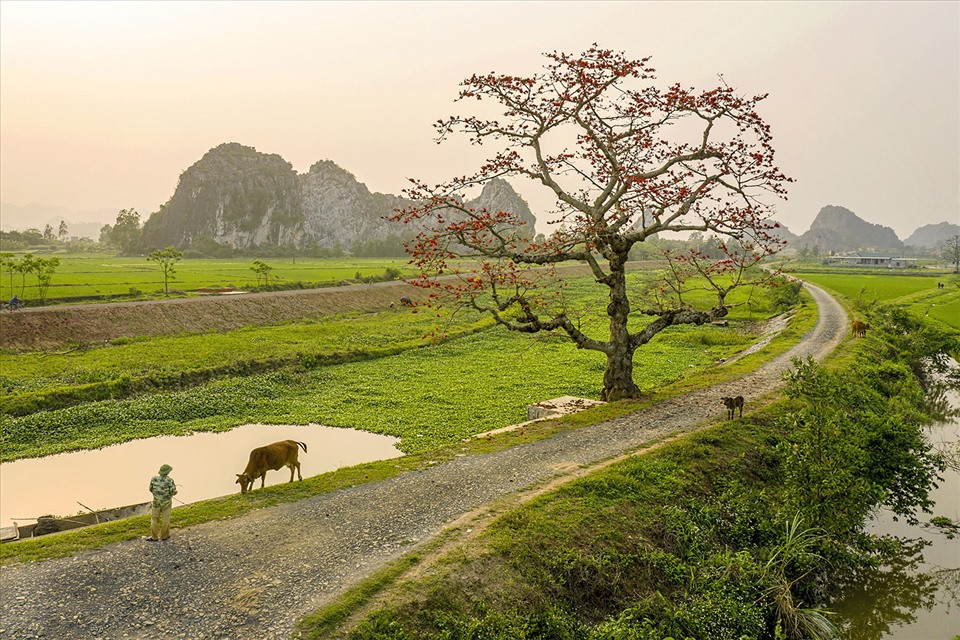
{"x": 858, "y": 260}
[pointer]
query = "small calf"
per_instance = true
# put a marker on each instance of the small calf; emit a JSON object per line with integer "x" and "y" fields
{"x": 859, "y": 328}
{"x": 732, "y": 404}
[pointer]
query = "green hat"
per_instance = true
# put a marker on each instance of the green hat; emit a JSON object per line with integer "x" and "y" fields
{"x": 165, "y": 469}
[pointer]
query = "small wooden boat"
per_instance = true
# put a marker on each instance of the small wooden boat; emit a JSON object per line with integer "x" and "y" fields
{"x": 45, "y": 525}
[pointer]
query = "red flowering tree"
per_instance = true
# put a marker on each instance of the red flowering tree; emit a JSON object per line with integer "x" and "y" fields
{"x": 625, "y": 160}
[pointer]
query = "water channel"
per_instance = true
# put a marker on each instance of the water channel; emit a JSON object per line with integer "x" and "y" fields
{"x": 204, "y": 466}
{"x": 917, "y": 597}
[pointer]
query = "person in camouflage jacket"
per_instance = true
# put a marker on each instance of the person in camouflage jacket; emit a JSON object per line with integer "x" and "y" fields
{"x": 163, "y": 489}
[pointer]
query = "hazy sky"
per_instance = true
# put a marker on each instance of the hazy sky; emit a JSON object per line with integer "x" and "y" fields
{"x": 104, "y": 104}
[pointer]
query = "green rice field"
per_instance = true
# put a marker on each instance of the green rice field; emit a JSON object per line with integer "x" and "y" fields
{"x": 919, "y": 293}
{"x": 85, "y": 275}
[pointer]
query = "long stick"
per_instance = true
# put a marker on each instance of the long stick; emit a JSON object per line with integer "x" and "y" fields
{"x": 95, "y": 515}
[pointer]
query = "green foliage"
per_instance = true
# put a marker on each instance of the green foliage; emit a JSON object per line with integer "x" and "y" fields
{"x": 825, "y": 463}
{"x": 166, "y": 259}
{"x": 262, "y": 269}
{"x": 492, "y": 625}
{"x": 391, "y": 246}
{"x": 784, "y": 294}
{"x": 854, "y": 441}
{"x": 127, "y": 234}
{"x": 45, "y": 268}
{"x": 789, "y": 563}
{"x": 21, "y": 240}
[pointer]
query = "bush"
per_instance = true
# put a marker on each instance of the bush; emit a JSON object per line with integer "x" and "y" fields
{"x": 785, "y": 294}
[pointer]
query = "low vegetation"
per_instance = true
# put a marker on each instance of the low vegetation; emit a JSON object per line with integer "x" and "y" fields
{"x": 43, "y": 380}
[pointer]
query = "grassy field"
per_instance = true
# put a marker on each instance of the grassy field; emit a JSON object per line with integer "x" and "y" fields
{"x": 872, "y": 287}
{"x": 165, "y": 355}
{"x": 81, "y": 275}
{"x": 426, "y": 393}
{"x": 918, "y": 293}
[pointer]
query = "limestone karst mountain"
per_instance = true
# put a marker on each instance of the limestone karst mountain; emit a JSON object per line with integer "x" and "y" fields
{"x": 931, "y": 235}
{"x": 839, "y": 229}
{"x": 237, "y": 196}
{"x": 784, "y": 233}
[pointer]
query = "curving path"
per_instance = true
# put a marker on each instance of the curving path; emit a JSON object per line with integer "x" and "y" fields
{"x": 254, "y": 576}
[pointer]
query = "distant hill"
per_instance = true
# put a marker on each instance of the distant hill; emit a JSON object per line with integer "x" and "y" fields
{"x": 238, "y": 196}
{"x": 932, "y": 234}
{"x": 839, "y": 229}
{"x": 783, "y": 232}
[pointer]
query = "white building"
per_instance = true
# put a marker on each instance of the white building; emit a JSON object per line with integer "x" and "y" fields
{"x": 858, "y": 260}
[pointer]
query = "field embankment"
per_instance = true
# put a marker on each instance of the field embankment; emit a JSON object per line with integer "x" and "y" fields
{"x": 53, "y": 327}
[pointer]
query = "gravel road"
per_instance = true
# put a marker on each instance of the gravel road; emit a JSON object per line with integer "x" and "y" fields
{"x": 254, "y": 576}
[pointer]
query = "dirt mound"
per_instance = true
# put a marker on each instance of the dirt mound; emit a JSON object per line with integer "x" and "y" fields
{"x": 52, "y": 327}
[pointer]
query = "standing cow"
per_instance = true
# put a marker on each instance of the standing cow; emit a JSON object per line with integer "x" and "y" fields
{"x": 732, "y": 404}
{"x": 859, "y": 328}
{"x": 270, "y": 458}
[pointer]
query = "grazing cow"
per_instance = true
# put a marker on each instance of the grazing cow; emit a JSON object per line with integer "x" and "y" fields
{"x": 732, "y": 404}
{"x": 859, "y": 328}
{"x": 406, "y": 302}
{"x": 270, "y": 458}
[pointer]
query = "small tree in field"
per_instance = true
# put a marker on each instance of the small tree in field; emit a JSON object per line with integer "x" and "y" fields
{"x": 166, "y": 258}
{"x": 625, "y": 160}
{"x": 25, "y": 266}
{"x": 45, "y": 268}
{"x": 262, "y": 269}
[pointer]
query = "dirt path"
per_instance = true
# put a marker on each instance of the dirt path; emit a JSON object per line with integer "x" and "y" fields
{"x": 253, "y": 577}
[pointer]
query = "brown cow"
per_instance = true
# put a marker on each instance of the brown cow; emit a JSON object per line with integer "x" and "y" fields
{"x": 859, "y": 328}
{"x": 270, "y": 458}
{"x": 732, "y": 404}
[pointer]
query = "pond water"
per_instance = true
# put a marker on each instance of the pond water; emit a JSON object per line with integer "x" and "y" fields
{"x": 204, "y": 466}
{"x": 918, "y": 596}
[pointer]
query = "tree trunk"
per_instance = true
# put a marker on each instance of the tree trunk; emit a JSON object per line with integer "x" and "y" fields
{"x": 618, "y": 378}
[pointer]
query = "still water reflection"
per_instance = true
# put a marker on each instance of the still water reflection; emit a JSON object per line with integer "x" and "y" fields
{"x": 915, "y": 596}
{"x": 204, "y": 466}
